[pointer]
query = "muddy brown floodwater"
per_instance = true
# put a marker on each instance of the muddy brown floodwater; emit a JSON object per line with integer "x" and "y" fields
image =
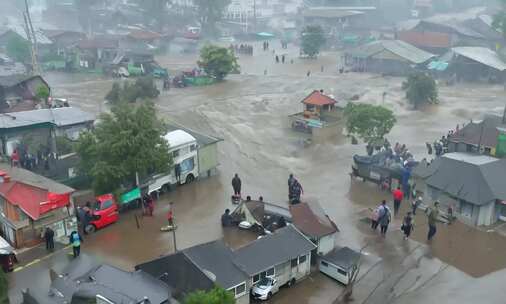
{"x": 249, "y": 111}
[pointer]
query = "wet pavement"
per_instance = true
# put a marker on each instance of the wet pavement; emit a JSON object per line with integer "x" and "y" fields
{"x": 250, "y": 112}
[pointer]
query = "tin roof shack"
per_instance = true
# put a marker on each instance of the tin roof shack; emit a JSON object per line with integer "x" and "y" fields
{"x": 333, "y": 20}
{"x": 62, "y": 40}
{"x": 14, "y": 31}
{"x": 29, "y": 203}
{"x": 139, "y": 40}
{"x": 18, "y": 92}
{"x": 94, "y": 53}
{"x": 389, "y": 57}
{"x": 439, "y": 34}
{"x": 339, "y": 264}
{"x": 84, "y": 280}
{"x": 476, "y": 64}
{"x": 311, "y": 219}
{"x": 319, "y": 116}
{"x": 284, "y": 255}
{"x": 485, "y": 137}
{"x": 475, "y": 185}
{"x": 199, "y": 268}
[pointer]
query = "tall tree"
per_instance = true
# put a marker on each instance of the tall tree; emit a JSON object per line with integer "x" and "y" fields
{"x": 217, "y": 295}
{"x": 312, "y": 39}
{"x": 125, "y": 142}
{"x": 369, "y": 122}
{"x": 210, "y": 13}
{"x": 420, "y": 88}
{"x": 217, "y": 61}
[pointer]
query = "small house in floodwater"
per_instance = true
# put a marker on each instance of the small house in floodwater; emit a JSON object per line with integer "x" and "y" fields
{"x": 389, "y": 57}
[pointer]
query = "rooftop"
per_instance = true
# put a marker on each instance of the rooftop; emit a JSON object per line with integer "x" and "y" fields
{"x": 343, "y": 257}
{"x": 326, "y": 12}
{"x": 311, "y": 220}
{"x": 202, "y": 139}
{"x": 317, "y": 98}
{"x": 400, "y": 48}
{"x": 216, "y": 258}
{"x": 476, "y": 179}
{"x": 482, "y": 55}
{"x": 281, "y": 246}
{"x": 60, "y": 117}
{"x": 484, "y": 132}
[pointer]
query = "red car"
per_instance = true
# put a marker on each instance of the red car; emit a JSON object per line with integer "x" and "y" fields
{"x": 105, "y": 212}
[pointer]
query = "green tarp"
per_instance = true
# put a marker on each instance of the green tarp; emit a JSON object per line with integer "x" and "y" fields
{"x": 129, "y": 196}
{"x": 198, "y": 81}
{"x": 500, "y": 149}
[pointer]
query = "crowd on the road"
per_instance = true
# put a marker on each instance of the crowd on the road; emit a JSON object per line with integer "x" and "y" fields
{"x": 245, "y": 49}
{"x": 382, "y": 215}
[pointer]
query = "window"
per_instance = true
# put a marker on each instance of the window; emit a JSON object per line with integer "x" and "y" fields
{"x": 238, "y": 290}
{"x": 106, "y": 204}
{"x": 342, "y": 272}
{"x": 193, "y": 148}
{"x": 324, "y": 264}
{"x": 175, "y": 153}
{"x": 256, "y": 278}
{"x": 187, "y": 165}
{"x": 295, "y": 262}
{"x": 302, "y": 259}
{"x": 269, "y": 272}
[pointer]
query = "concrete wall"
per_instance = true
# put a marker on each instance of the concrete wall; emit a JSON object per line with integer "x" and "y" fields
{"x": 487, "y": 215}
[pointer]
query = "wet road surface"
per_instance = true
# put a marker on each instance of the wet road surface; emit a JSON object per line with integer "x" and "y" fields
{"x": 250, "y": 112}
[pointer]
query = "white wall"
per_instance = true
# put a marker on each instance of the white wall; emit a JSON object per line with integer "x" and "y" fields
{"x": 326, "y": 244}
{"x": 486, "y": 215}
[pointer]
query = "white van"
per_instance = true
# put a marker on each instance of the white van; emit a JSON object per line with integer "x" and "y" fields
{"x": 183, "y": 148}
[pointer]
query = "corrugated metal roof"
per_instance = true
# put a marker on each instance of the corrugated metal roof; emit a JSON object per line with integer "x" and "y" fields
{"x": 397, "y": 47}
{"x": 60, "y": 117}
{"x": 18, "y": 29}
{"x": 481, "y": 55}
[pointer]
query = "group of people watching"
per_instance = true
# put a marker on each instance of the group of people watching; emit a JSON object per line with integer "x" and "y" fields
{"x": 245, "y": 49}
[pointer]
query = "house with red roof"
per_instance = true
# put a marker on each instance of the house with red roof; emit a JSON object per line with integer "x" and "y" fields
{"x": 320, "y": 111}
{"x": 29, "y": 203}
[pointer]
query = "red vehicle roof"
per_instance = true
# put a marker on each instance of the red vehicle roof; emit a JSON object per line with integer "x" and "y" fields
{"x": 317, "y": 98}
{"x": 34, "y": 201}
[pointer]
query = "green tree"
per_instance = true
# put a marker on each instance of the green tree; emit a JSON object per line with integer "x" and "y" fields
{"x": 4, "y": 288}
{"x": 209, "y": 13}
{"x": 142, "y": 88}
{"x": 125, "y": 142}
{"x": 18, "y": 49}
{"x": 42, "y": 93}
{"x": 217, "y": 61}
{"x": 369, "y": 122}
{"x": 312, "y": 39}
{"x": 217, "y": 295}
{"x": 420, "y": 88}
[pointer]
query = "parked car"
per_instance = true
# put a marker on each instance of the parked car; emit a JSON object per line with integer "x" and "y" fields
{"x": 105, "y": 212}
{"x": 7, "y": 256}
{"x": 264, "y": 289}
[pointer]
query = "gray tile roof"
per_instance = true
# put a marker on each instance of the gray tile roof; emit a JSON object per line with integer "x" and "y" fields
{"x": 271, "y": 250}
{"x": 477, "y": 179}
{"x": 400, "y": 48}
{"x": 216, "y": 258}
{"x": 483, "y": 132}
{"x": 60, "y": 117}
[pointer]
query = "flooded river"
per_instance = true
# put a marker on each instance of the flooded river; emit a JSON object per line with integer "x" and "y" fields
{"x": 249, "y": 111}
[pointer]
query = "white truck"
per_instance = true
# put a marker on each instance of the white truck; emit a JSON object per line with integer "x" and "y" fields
{"x": 185, "y": 168}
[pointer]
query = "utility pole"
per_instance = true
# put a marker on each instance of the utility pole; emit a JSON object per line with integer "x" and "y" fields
{"x": 30, "y": 35}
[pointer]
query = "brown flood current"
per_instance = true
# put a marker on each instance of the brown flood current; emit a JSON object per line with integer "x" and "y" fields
{"x": 250, "y": 112}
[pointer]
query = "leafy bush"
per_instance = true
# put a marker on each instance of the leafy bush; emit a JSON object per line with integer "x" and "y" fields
{"x": 420, "y": 88}
{"x": 217, "y": 61}
{"x": 312, "y": 39}
{"x": 142, "y": 88}
{"x": 369, "y": 122}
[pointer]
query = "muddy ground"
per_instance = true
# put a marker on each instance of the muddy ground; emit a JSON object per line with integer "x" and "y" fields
{"x": 249, "y": 111}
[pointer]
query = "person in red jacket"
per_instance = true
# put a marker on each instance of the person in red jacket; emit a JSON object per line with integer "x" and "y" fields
{"x": 398, "y": 195}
